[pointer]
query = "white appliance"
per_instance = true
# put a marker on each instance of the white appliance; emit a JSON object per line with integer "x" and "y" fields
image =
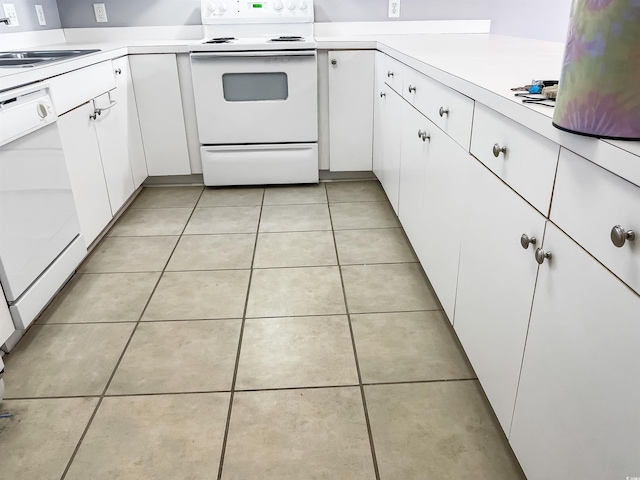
{"x": 256, "y": 91}
{"x": 40, "y": 240}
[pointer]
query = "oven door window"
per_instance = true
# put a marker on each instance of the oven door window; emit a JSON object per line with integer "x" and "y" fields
{"x": 255, "y": 87}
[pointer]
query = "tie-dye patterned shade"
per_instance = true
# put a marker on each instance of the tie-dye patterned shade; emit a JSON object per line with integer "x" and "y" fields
{"x": 599, "y": 91}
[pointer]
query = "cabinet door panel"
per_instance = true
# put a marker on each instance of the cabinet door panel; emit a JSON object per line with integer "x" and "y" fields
{"x": 577, "y": 414}
{"x": 495, "y": 285}
{"x": 379, "y": 102}
{"x": 111, "y": 129}
{"x": 351, "y": 82}
{"x": 392, "y": 145}
{"x": 82, "y": 154}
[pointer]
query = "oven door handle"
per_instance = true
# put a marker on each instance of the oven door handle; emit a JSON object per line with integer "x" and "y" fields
{"x": 293, "y": 53}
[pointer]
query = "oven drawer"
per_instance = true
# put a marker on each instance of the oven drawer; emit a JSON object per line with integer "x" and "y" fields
{"x": 256, "y": 97}
{"x": 260, "y": 164}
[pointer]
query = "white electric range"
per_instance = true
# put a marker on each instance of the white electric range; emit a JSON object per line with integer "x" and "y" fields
{"x": 255, "y": 85}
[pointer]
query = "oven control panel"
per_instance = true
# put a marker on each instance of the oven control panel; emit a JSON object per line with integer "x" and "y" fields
{"x": 216, "y": 12}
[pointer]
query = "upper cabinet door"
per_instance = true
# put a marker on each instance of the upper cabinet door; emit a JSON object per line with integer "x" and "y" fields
{"x": 578, "y": 410}
{"x": 351, "y": 82}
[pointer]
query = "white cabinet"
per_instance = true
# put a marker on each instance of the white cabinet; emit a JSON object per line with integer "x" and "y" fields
{"x": 125, "y": 96}
{"x": 496, "y": 281}
{"x": 391, "y": 121}
{"x": 351, "y": 84}
{"x": 82, "y": 154}
{"x": 157, "y": 93}
{"x": 111, "y": 129}
{"x": 577, "y": 414}
{"x": 379, "y": 97}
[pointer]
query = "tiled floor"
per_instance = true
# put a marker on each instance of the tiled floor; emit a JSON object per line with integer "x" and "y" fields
{"x": 243, "y": 334}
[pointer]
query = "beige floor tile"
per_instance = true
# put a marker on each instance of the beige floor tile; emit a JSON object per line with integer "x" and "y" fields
{"x": 388, "y": 288}
{"x": 295, "y": 218}
{"x": 295, "y": 249}
{"x": 130, "y": 254}
{"x": 39, "y": 439}
{"x": 213, "y": 252}
{"x": 290, "y": 292}
{"x": 412, "y": 346}
{"x": 101, "y": 297}
{"x": 154, "y": 437}
{"x": 199, "y": 295}
{"x": 149, "y": 222}
{"x": 223, "y": 220}
{"x": 370, "y": 191}
{"x": 296, "y": 352}
{"x": 373, "y": 246}
{"x": 298, "y": 434}
{"x": 65, "y": 360}
{"x": 173, "y": 357}
{"x": 168, "y": 197}
{"x": 443, "y": 430}
{"x": 231, "y": 197}
{"x": 295, "y": 195}
{"x": 353, "y": 216}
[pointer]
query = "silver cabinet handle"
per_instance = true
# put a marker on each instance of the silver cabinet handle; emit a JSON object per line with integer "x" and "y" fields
{"x": 423, "y": 135}
{"x": 389, "y": 74}
{"x": 619, "y": 236}
{"x": 119, "y": 71}
{"x": 525, "y": 241}
{"x": 382, "y": 94}
{"x": 443, "y": 111}
{"x": 412, "y": 89}
{"x": 541, "y": 255}
{"x": 497, "y": 150}
{"x": 334, "y": 62}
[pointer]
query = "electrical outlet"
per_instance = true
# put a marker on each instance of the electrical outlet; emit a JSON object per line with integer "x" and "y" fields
{"x": 10, "y": 13}
{"x": 394, "y": 9}
{"x": 101, "y": 12}
{"x": 40, "y": 15}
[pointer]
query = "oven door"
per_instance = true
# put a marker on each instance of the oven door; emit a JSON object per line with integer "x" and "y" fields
{"x": 256, "y": 97}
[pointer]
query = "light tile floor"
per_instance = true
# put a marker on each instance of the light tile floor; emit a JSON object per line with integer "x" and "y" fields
{"x": 249, "y": 333}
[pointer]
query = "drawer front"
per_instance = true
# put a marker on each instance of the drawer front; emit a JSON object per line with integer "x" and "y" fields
{"x": 394, "y": 71}
{"x": 75, "y": 88}
{"x": 448, "y": 109}
{"x": 588, "y": 202}
{"x": 527, "y": 161}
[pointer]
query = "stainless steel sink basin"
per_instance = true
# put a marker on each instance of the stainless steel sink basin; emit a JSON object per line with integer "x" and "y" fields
{"x": 30, "y": 58}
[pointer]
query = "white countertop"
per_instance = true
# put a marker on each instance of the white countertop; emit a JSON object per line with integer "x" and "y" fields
{"x": 482, "y": 66}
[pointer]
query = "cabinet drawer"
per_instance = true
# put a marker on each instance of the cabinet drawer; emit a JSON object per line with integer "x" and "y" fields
{"x": 448, "y": 109}
{"x": 394, "y": 71}
{"x": 527, "y": 162}
{"x": 588, "y": 202}
{"x": 75, "y": 88}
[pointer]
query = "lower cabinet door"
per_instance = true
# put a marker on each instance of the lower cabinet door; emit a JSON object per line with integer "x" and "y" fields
{"x": 577, "y": 413}
{"x": 82, "y": 154}
{"x": 496, "y": 282}
{"x": 392, "y": 144}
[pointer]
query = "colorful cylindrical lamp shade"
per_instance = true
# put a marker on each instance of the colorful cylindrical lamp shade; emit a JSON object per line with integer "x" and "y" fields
{"x": 599, "y": 92}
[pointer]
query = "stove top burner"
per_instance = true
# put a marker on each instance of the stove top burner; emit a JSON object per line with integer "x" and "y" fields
{"x": 221, "y": 40}
{"x": 287, "y": 39}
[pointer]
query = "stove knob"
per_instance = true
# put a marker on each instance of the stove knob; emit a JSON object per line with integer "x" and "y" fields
{"x": 303, "y": 5}
{"x": 223, "y": 7}
{"x": 291, "y": 4}
{"x": 277, "y": 5}
{"x": 211, "y": 7}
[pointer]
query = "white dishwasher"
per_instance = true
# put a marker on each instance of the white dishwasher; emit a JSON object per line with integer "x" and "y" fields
{"x": 40, "y": 240}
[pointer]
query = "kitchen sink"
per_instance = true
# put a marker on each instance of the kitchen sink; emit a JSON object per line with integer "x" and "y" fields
{"x": 31, "y": 58}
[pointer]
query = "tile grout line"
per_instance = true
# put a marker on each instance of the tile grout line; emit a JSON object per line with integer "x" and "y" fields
{"x": 124, "y": 351}
{"x": 237, "y": 364}
{"x": 355, "y": 355}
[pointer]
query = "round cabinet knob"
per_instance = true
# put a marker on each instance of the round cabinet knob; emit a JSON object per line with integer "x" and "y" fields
{"x": 334, "y": 62}
{"x": 619, "y": 236}
{"x": 303, "y": 5}
{"x": 223, "y": 7}
{"x": 497, "y": 150}
{"x": 119, "y": 71}
{"x": 389, "y": 74}
{"x": 525, "y": 241}
{"x": 443, "y": 111}
{"x": 42, "y": 110}
{"x": 291, "y": 4}
{"x": 541, "y": 255}
{"x": 423, "y": 135}
{"x": 277, "y": 6}
{"x": 412, "y": 89}
{"x": 382, "y": 94}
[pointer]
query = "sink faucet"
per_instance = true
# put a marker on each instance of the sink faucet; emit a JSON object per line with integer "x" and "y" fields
{"x": 6, "y": 21}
